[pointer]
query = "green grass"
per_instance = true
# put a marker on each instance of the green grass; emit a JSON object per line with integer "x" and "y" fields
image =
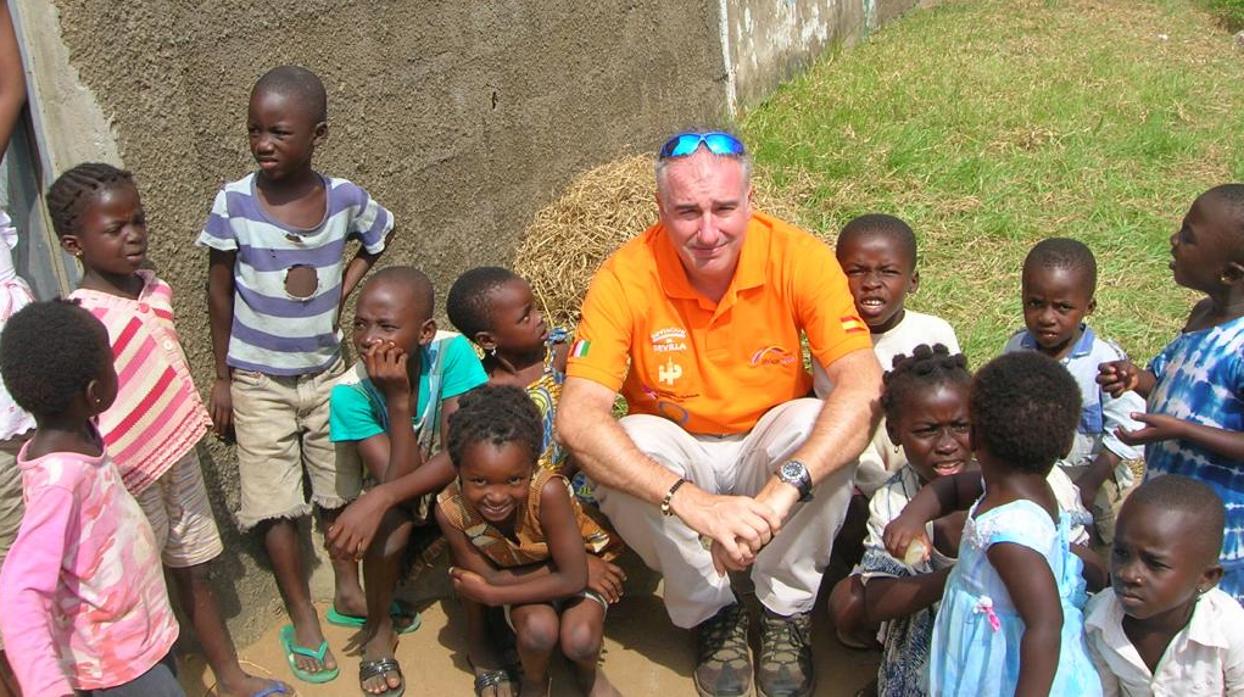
{"x": 1231, "y": 12}
{"x": 990, "y": 124}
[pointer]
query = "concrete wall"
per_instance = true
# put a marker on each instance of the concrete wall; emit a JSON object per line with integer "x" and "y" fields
{"x": 768, "y": 41}
{"x": 463, "y": 118}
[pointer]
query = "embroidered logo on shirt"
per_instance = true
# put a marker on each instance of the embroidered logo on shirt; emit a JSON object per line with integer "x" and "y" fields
{"x": 772, "y": 355}
{"x": 669, "y": 339}
{"x": 669, "y": 373}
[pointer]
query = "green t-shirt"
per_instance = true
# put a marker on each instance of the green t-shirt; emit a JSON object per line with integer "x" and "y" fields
{"x": 448, "y": 367}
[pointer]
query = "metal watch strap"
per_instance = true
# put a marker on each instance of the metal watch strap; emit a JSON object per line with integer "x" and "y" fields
{"x": 666, "y": 510}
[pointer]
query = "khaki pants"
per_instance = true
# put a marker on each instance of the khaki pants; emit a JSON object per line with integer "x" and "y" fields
{"x": 787, "y": 572}
{"x": 281, "y": 425}
{"x": 1109, "y": 498}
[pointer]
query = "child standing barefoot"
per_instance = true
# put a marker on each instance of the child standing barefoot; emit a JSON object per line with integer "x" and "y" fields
{"x": 1195, "y": 420}
{"x": 520, "y": 541}
{"x": 153, "y": 427}
{"x": 1010, "y": 619}
{"x": 85, "y": 607}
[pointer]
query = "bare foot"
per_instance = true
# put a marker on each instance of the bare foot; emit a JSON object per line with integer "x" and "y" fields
{"x": 381, "y": 646}
{"x": 246, "y": 685}
{"x": 350, "y": 602}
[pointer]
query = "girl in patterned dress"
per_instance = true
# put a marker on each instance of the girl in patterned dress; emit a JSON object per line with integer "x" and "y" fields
{"x": 520, "y": 541}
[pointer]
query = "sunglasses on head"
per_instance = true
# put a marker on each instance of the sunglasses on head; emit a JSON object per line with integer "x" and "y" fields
{"x": 717, "y": 142}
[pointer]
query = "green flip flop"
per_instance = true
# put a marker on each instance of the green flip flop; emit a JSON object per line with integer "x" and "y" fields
{"x": 293, "y": 650}
{"x": 396, "y": 610}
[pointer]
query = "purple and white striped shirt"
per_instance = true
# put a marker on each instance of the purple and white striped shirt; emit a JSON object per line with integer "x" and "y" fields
{"x": 275, "y": 332}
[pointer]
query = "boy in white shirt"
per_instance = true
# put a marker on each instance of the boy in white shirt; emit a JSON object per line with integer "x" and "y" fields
{"x": 1165, "y": 629}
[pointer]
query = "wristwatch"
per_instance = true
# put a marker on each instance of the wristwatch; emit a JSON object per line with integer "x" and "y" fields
{"x": 795, "y": 473}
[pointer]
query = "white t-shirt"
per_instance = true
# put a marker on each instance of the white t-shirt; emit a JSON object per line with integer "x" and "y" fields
{"x": 881, "y": 459}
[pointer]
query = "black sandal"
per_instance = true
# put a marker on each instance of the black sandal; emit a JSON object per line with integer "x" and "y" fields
{"x": 378, "y": 668}
{"x": 492, "y": 678}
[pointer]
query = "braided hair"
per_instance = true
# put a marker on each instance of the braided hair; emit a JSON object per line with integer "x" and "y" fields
{"x": 69, "y": 195}
{"x": 926, "y": 367}
{"x": 496, "y": 414}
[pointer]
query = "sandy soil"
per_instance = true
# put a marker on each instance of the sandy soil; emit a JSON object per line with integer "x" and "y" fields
{"x": 644, "y": 654}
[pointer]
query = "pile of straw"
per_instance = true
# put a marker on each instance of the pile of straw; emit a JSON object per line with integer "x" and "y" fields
{"x": 599, "y": 211}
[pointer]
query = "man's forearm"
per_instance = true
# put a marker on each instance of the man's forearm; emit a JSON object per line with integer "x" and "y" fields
{"x": 598, "y": 443}
{"x": 846, "y": 422}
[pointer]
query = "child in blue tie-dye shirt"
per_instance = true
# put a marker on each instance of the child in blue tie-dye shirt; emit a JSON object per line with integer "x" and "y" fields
{"x": 1195, "y": 386}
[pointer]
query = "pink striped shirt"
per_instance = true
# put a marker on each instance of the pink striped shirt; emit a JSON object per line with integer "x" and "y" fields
{"x": 85, "y": 605}
{"x": 158, "y": 416}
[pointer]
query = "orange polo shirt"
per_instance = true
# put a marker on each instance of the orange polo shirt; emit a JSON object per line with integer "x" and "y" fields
{"x": 715, "y": 368}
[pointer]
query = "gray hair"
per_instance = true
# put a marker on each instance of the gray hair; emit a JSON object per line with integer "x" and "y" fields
{"x": 661, "y": 165}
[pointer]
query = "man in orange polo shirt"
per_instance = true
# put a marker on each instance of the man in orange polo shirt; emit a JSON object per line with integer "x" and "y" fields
{"x": 723, "y": 462}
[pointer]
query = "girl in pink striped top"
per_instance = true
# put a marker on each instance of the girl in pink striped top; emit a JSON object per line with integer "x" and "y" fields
{"x": 158, "y": 418}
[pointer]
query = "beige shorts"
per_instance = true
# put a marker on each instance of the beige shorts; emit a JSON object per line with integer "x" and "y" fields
{"x": 281, "y": 424}
{"x": 10, "y": 498}
{"x": 1110, "y": 498}
{"x": 178, "y": 509}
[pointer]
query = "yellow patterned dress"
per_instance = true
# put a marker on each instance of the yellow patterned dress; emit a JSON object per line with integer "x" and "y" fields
{"x": 529, "y": 544}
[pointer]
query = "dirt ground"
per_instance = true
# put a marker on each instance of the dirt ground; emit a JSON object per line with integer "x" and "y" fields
{"x": 644, "y": 654}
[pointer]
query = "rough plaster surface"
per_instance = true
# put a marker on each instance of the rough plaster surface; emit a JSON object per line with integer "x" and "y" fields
{"x": 463, "y": 118}
{"x": 772, "y": 40}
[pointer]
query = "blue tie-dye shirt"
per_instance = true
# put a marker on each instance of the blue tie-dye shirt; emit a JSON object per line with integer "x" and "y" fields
{"x": 1201, "y": 379}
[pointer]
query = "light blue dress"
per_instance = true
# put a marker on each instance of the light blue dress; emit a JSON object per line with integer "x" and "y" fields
{"x": 977, "y": 634}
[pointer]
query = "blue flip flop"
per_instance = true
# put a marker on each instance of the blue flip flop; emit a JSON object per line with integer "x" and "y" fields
{"x": 396, "y": 610}
{"x": 275, "y": 688}
{"x": 292, "y": 650}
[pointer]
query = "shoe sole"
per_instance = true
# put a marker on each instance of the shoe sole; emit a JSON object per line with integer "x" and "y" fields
{"x": 705, "y": 693}
{"x": 811, "y": 690}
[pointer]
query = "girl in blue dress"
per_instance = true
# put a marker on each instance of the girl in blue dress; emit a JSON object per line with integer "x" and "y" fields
{"x": 1010, "y": 620}
{"x": 1195, "y": 420}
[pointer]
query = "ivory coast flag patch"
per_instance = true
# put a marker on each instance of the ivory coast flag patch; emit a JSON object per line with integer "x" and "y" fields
{"x": 580, "y": 348}
{"x": 852, "y": 324}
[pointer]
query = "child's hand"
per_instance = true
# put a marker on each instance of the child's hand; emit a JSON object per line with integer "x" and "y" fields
{"x": 604, "y": 579}
{"x": 351, "y": 533}
{"x": 386, "y": 366}
{"x": 220, "y": 406}
{"x": 1117, "y": 377}
{"x": 1158, "y": 427}
{"x": 901, "y": 533}
{"x": 471, "y": 585}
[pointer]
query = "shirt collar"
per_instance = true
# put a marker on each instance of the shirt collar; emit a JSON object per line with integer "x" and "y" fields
{"x": 1083, "y": 346}
{"x": 1107, "y": 617}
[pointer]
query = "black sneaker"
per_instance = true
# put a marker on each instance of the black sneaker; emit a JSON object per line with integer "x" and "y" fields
{"x": 724, "y": 666}
{"x": 785, "y": 663}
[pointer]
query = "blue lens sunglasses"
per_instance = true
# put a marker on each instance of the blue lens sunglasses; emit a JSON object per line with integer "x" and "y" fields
{"x": 717, "y": 142}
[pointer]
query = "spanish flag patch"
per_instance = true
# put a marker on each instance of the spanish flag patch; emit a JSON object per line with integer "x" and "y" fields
{"x": 852, "y": 324}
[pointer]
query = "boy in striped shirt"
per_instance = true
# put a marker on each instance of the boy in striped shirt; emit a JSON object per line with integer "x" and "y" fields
{"x": 276, "y": 286}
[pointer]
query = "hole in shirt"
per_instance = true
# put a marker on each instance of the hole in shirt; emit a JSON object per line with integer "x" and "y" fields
{"x": 301, "y": 280}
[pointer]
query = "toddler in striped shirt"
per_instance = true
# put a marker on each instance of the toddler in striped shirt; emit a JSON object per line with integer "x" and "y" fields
{"x": 152, "y": 427}
{"x": 276, "y": 285}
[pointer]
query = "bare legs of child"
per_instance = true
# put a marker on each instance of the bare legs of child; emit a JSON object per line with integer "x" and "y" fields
{"x": 198, "y": 601}
{"x": 381, "y": 567}
{"x": 281, "y": 541}
{"x": 579, "y": 631}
